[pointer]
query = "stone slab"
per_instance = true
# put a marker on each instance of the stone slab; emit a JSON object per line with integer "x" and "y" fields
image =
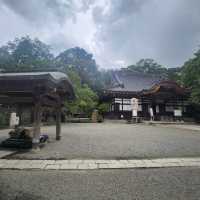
{"x": 98, "y": 164}
{"x": 4, "y": 153}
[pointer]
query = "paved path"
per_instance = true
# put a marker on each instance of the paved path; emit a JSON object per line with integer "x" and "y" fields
{"x": 4, "y": 153}
{"x": 191, "y": 127}
{"x": 98, "y": 164}
{"x": 115, "y": 141}
{"x": 128, "y": 184}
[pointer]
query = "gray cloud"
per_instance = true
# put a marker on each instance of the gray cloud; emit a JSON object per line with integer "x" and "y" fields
{"x": 40, "y": 11}
{"x": 118, "y": 32}
{"x": 168, "y": 31}
{"x": 56, "y": 22}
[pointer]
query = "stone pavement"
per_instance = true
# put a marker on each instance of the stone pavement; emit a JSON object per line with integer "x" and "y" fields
{"x": 191, "y": 127}
{"x": 4, "y": 153}
{"x": 98, "y": 164}
{"x": 113, "y": 141}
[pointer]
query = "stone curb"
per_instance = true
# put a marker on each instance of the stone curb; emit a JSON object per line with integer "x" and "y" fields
{"x": 97, "y": 164}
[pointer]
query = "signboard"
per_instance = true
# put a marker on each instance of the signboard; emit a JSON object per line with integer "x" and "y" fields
{"x": 134, "y": 113}
{"x": 157, "y": 109}
{"x": 134, "y": 103}
{"x": 178, "y": 113}
{"x": 151, "y": 112}
{"x": 14, "y": 119}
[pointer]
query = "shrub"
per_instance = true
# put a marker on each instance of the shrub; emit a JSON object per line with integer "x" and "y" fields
{"x": 4, "y": 119}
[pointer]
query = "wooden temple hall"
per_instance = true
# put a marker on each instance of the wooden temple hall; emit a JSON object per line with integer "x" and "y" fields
{"x": 133, "y": 94}
{"x": 35, "y": 91}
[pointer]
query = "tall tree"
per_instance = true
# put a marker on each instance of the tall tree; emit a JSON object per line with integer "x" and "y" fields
{"x": 86, "y": 100}
{"x": 5, "y": 58}
{"x": 149, "y": 66}
{"x": 83, "y": 63}
{"x": 191, "y": 77}
{"x": 25, "y": 54}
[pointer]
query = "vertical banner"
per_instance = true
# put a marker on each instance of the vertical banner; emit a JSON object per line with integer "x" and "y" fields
{"x": 135, "y": 105}
{"x": 14, "y": 119}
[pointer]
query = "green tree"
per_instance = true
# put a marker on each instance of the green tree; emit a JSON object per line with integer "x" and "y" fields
{"x": 84, "y": 64}
{"x": 149, "y": 66}
{"x": 26, "y": 54}
{"x": 174, "y": 74}
{"x": 190, "y": 77}
{"x": 5, "y": 57}
{"x": 86, "y": 99}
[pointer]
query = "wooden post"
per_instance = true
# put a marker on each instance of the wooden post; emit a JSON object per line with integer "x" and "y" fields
{"x": 36, "y": 125}
{"x": 58, "y": 122}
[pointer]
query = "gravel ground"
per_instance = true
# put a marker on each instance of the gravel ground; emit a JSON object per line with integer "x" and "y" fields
{"x": 156, "y": 184}
{"x": 116, "y": 141}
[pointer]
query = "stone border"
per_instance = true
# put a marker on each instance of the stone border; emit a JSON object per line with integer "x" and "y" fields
{"x": 97, "y": 164}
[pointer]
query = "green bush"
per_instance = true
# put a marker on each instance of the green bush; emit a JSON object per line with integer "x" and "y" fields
{"x": 104, "y": 107}
{"x": 4, "y": 119}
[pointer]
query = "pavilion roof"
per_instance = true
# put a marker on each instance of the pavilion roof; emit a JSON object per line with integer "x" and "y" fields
{"x": 56, "y": 76}
{"x": 30, "y": 84}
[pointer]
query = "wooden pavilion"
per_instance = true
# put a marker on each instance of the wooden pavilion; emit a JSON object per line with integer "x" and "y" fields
{"x": 35, "y": 91}
{"x": 162, "y": 96}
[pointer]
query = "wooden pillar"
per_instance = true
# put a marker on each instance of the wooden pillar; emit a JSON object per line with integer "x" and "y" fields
{"x": 58, "y": 123}
{"x": 122, "y": 104}
{"x": 36, "y": 125}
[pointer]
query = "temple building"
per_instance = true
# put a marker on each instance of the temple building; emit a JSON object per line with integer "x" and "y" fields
{"x": 157, "y": 98}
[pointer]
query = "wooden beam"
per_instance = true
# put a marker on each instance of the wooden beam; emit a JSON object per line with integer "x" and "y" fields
{"x": 15, "y": 100}
{"x": 58, "y": 123}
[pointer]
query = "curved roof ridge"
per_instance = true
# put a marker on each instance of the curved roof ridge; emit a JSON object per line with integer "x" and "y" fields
{"x": 132, "y": 72}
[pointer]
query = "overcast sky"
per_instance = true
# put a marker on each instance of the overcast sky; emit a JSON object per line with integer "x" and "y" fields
{"x": 117, "y": 32}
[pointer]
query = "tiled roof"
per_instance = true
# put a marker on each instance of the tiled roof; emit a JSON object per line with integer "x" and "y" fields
{"x": 127, "y": 81}
{"x": 57, "y": 76}
{"x": 30, "y": 81}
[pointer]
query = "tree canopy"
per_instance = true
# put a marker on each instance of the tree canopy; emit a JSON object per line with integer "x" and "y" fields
{"x": 149, "y": 66}
{"x": 25, "y": 54}
{"x": 83, "y": 63}
{"x": 86, "y": 100}
{"x": 190, "y": 77}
